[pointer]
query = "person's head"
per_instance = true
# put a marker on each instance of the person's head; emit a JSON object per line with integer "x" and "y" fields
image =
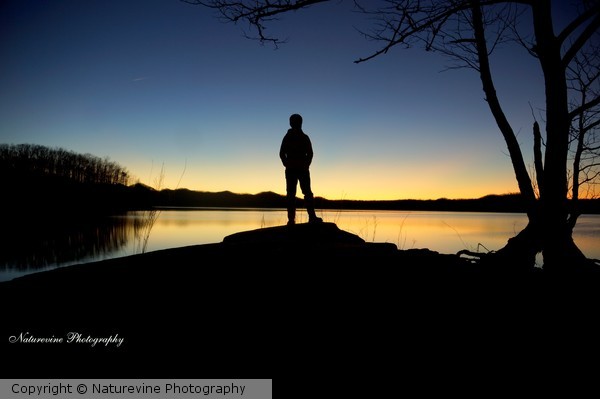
{"x": 296, "y": 121}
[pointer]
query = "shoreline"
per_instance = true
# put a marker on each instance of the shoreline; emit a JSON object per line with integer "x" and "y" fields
{"x": 264, "y": 302}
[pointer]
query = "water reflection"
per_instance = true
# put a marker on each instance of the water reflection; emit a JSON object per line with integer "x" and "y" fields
{"x": 36, "y": 243}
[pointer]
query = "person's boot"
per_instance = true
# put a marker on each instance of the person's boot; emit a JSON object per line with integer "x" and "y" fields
{"x": 312, "y": 217}
{"x": 291, "y": 217}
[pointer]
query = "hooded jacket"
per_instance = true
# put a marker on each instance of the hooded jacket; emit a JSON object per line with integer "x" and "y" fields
{"x": 296, "y": 150}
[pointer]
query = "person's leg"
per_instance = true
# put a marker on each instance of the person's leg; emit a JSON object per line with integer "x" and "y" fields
{"x": 309, "y": 198}
{"x": 291, "y": 181}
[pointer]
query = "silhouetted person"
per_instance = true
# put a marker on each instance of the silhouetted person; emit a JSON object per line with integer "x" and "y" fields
{"x": 296, "y": 153}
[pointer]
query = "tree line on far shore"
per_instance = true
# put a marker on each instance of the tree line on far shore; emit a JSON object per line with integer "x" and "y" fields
{"x": 32, "y": 160}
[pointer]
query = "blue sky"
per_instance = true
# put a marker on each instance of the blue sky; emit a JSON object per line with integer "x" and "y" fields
{"x": 154, "y": 84}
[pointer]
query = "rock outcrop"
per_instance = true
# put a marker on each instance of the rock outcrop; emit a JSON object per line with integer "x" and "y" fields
{"x": 274, "y": 302}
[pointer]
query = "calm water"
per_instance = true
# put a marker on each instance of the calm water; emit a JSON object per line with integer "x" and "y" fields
{"x": 31, "y": 247}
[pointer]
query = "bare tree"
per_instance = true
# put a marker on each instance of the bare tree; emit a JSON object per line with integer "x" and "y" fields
{"x": 583, "y": 77}
{"x": 468, "y": 31}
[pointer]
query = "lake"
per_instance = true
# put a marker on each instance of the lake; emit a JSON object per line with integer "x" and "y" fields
{"x": 36, "y": 246}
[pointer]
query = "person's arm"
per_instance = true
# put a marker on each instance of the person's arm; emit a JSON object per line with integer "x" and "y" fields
{"x": 283, "y": 152}
{"x": 309, "y": 151}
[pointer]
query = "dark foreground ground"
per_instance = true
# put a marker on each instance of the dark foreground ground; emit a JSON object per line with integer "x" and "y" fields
{"x": 309, "y": 303}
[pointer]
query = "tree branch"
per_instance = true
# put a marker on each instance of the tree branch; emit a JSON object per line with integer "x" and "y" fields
{"x": 255, "y": 12}
{"x": 537, "y": 157}
{"x": 580, "y": 41}
{"x": 584, "y": 107}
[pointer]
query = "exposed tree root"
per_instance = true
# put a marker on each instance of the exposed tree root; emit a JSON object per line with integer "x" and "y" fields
{"x": 560, "y": 254}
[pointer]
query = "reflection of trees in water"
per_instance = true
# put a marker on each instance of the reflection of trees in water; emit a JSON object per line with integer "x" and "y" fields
{"x": 36, "y": 243}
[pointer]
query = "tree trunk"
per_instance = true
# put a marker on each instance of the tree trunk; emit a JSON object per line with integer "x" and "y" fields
{"x": 559, "y": 249}
{"x": 560, "y": 253}
{"x": 520, "y": 252}
{"x": 485, "y": 74}
{"x": 548, "y": 230}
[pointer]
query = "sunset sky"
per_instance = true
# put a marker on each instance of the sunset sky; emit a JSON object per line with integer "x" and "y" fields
{"x": 154, "y": 84}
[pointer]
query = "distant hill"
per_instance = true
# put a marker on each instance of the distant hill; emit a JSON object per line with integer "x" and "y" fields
{"x": 47, "y": 181}
{"x": 490, "y": 203}
{"x": 55, "y": 194}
